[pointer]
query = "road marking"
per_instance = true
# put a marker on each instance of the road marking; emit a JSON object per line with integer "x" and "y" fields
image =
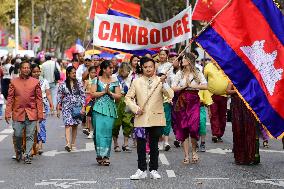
{"x": 2, "y": 181}
{"x": 7, "y": 131}
{"x": 90, "y": 146}
{"x": 275, "y": 182}
{"x": 62, "y": 179}
{"x": 163, "y": 159}
{"x": 275, "y": 179}
{"x": 219, "y": 151}
{"x": 225, "y": 151}
{"x": 2, "y": 137}
{"x": 272, "y": 151}
{"x": 63, "y": 183}
{"x": 122, "y": 179}
{"x": 211, "y": 178}
{"x": 171, "y": 173}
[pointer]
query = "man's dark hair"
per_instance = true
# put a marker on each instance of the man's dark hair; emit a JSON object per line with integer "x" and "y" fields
{"x": 145, "y": 59}
{"x": 24, "y": 62}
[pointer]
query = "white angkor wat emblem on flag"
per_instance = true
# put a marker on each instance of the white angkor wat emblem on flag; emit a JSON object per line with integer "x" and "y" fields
{"x": 264, "y": 63}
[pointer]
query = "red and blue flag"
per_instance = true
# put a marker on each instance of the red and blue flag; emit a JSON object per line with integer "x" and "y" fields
{"x": 246, "y": 40}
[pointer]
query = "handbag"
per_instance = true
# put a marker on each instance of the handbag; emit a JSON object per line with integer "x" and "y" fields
{"x": 76, "y": 112}
{"x": 56, "y": 73}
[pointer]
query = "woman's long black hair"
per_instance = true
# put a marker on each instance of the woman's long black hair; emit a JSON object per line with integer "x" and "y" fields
{"x": 138, "y": 69}
{"x": 33, "y": 66}
{"x": 104, "y": 65}
{"x": 68, "y": 79}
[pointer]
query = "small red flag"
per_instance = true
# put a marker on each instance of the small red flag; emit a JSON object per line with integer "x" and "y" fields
{"x": 100, "y": 7}
{"x": 204, "y": 10}
{"x": 126, "y": 7}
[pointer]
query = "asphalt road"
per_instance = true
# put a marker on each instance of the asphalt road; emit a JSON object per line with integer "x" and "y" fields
{"x": 59, "y": 169}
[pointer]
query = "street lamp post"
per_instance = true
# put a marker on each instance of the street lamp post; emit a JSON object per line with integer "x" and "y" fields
{"x": 16, "y": 27}
{"x": 33, "y": 25}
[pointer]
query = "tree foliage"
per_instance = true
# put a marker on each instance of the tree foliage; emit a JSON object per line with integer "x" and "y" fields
{"x": 60, "y": 21}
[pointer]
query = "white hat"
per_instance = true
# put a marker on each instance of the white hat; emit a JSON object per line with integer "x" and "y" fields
{"x": 87, "y": 57}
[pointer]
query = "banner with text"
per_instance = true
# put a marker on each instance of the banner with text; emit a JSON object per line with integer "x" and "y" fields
{"x": 133, "y": 34}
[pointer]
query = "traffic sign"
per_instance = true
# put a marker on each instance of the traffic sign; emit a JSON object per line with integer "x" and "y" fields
{"x": 36, "y": 39}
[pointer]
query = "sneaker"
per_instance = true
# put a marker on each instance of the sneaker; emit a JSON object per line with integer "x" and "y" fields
{"x": 139, "y": 175}
{"x": 167, "y": 147}
{"x": 177, "y": 144}
{"x": 155, "y": 175}
{"x": 202, "y": 147}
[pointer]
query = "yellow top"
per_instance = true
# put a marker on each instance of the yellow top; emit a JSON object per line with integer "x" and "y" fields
{"x": 205, "y": 97}
{"x": 217, "y": 80}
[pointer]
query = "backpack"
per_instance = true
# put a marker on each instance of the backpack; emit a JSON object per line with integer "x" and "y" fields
{"x": 56, "y": 73}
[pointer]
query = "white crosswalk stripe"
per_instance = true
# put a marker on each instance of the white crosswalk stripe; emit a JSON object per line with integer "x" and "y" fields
{"x": 7, "y": 131}
{"x": 2, "y": 137}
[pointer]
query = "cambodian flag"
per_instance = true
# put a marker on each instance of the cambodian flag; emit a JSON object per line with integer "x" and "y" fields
{"x": 246, "y": 40}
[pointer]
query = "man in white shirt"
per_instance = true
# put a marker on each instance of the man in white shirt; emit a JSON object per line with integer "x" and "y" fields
{"x": 47, "y": 71}
{"x": 82, "y": 71}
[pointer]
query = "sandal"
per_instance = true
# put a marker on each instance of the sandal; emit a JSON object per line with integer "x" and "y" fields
{"x": 265, "y": 144}
{"x": 117, "y": 149}
{"x": 195, "y": 157}
{"x": 186, "y": 161}
{"x": 67, "y": 148}
{"x": 73, "y": 147}
{"x": 40, "y": 152}
{"x": 126, "y": 148}
{"x": 105, "y": 162}
{"x": 99, "y": 160}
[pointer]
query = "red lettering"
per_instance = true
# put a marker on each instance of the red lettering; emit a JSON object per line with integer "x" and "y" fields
{"x": 142, "y": 36}
{"x": 177, "y": 28}
{"x": 167, "y": 33}
{"x": 155, "y": 36}
{"x": 129, "y": 35}
{"x": 185, "y": 23}
{"x": 116, "y": 33}
{"x": 105, "y": 25}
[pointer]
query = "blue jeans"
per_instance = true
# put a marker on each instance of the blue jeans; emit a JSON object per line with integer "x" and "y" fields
{"x": 1, "y": 109}
{"x": 53, "y": 90}
{"x": 18, "y": 127}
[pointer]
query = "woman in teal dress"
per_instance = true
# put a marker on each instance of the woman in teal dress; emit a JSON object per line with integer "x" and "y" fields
{"x": 106, "y": 90}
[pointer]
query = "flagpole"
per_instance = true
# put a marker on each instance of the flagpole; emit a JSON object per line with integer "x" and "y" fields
{"x": 187, "y": 5}
{"x": 94, "y": 24}
{"x": 187, "y": 46}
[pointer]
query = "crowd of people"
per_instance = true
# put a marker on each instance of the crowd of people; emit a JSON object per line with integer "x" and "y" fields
{"x": 148, "y": 97}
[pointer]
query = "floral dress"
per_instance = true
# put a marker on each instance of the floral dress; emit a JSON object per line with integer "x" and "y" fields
{"x": 70, "y": 100}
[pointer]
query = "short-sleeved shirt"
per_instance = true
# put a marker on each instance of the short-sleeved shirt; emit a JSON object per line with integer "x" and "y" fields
{"x": 44, "y": 85}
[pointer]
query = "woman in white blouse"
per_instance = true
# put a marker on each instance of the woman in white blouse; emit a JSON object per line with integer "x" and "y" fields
{"x": 188, "y": 82}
